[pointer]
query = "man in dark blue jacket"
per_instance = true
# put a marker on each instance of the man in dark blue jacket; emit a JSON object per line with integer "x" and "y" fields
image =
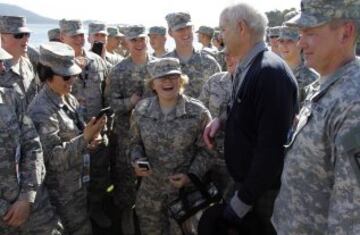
{"x": 260, "y": 115}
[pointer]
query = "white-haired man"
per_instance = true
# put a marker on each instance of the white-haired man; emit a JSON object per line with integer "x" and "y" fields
{"x": 261, "y": 111}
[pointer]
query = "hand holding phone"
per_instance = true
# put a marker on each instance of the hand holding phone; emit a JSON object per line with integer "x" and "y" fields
{"x": 105, "y": 111}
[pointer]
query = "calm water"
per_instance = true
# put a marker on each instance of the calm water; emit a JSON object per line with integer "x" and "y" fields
{"x": 39, "y": 35}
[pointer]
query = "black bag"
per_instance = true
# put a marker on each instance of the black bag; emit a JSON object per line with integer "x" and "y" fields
{"x": 193, "y": 199}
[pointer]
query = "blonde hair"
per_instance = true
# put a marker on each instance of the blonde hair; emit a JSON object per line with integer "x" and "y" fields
{"x": 184, "y": 80}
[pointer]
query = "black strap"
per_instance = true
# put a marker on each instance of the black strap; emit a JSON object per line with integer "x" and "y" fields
{"x": 198, "y": 185}
{"x": 74, "y": 116}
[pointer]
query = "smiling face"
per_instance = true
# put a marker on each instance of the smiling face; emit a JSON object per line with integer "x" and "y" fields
{"x": 61, "y": 85}
{"x": 137, "y": 46}
{"x": 183, "y": 37}
{"x": 167, "y": 87}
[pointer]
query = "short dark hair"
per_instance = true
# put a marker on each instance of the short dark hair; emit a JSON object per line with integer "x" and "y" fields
{"x": 45, "y": 72}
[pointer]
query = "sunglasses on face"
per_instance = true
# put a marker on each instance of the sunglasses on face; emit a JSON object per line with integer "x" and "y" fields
{"x": 66, "y": 77}
{"x": 21, "y": 35}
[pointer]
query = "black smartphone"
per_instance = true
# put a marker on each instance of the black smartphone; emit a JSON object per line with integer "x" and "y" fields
{"x": 97, "y": 48}
{"x": 105, "y": 111}
{"x": 143, "y": 164}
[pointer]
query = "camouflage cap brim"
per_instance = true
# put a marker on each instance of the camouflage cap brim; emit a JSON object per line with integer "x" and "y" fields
{"x": 180, "y": 26}
{"x": 4, "y": 55}
{"x": 77, "y": 32}
{"x": 101, "y": 32}
{"x": 72, "y": 70}
{"x": 143, "y": 35}
{"x": 174, "y": 71}
{"x": 303, "y": 20}
{"x": 23, "y": 30}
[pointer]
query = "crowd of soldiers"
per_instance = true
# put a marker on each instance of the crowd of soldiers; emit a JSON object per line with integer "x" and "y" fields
{"x": 60, "y": 160}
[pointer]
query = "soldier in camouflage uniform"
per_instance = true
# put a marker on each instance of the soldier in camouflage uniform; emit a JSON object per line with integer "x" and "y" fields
{"x": 98, "y": 33}
{"x": 157, "y": 35}
{"x": 166, "y": 131}
{"x": 320, "y": 191}
{"x": 273, "y": 35}
{"x": 24, "y": 203}
{"x": 65, "y": 138}
{"x": 197, "y": 65}
{"x": 218, "y": 42}
{"x": 288, "y": 39}
{"x": 205, "y": 35}
{"x": 54, "y": 35}
{"x": 123, "y": 50}
{"x": 21, "y": 76}
{"x": 113, "y": 42}
{"x": 89, "y": 89}
{"x": 215, "y": 95}
{"x": 127, "y": 88}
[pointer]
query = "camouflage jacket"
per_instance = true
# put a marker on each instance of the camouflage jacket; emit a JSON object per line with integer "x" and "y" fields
{"x": 304, "y": 76}
{"x": 172, "y": 143}
{"x": 21, "y": 78}
{"x": 113, "y": 59}
{"x": 125, "y": 79}
{"x": 215, "y": 95}
{"x": 320, "y": 190}
{"x": 198, "y": 68}
{"x": 62, "y": 140}
{"x": 21, "y": 165}
{"x": 89, "y": 87}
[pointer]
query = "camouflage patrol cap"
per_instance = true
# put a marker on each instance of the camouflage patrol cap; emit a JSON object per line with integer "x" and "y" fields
{"x": 206, "y": 30}
{"x": 289, "y": 33}
{"x": 157, "y": 30}
{"x": 71, "y": 27}
{"x": 113, "y": 31}
{"x": 54, "y": 34}
{"x": 13, "y": 24}
{"x": 4, "y": 55}
{"x": 274, "y": 31}
{"x": 178, "y": 20}
{"x": 122, "y": 28}
{"x": 164, "y": 66}
{"x": 60, "y": 57}
{"x": 97, "y": 27}
{"x": 290, "y": 15}
{"x": 135, "y": 31}
{"x": 318, "y": 12}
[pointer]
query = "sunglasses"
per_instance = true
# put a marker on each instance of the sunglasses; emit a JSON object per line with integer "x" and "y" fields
{"x": 21, "y": 35}
{"x": 66, "y": 77}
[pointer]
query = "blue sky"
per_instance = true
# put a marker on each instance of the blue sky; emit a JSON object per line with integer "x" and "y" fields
{"x": 147, "y": 12}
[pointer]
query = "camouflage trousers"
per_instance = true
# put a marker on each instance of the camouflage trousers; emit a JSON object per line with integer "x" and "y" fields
{"x": 42, "y": 220}
{"x": 73, "y": 212}
{"x": 152, "y": 212}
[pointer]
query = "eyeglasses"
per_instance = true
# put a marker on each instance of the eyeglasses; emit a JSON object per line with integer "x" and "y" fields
{"x": 21, "y": 35}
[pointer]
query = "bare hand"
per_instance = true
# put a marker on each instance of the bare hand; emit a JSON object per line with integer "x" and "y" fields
{"x": 210, "y": 131}
{"x": 179, "y": 180}
{"x": 93, "y": 128}
{"x": 140, "y": 171}
{"x": 95, "y": 142}
{"x": 134, "y": 99}
{"x": 17, "y": 214}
